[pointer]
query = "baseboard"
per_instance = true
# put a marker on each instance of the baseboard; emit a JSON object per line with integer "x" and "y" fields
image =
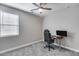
{"x": 67, "y": 48}
{"x": 24, "y": 45}
{"x": 14, "y": 48}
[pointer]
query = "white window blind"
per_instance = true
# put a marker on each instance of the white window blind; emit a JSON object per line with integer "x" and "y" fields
{"x": 9, "y": 24}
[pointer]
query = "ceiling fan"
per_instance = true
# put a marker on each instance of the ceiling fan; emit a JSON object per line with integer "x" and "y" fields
{"x": 40, "y": 7}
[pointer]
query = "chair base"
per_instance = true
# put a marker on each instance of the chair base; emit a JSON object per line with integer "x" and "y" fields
{"x": 49, "y": 47}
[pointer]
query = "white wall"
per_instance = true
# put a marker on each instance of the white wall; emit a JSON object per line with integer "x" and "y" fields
{"x": 30, "y": 29}
{"x": 65, "y": 19}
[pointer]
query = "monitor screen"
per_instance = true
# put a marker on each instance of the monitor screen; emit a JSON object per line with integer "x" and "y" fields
{"x": 61, "y": 33}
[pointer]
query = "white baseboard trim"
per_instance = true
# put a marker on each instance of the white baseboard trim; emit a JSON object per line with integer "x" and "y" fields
{"x": 67, "y": 48}
{"x": 24, "y": 45}
{"x": 14, "y": 48}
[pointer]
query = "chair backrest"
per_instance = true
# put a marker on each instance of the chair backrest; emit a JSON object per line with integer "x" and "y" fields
{"x": 47, "y": 35}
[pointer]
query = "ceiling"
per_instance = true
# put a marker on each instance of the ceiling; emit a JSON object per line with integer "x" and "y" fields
{"x": 28, "y": 6}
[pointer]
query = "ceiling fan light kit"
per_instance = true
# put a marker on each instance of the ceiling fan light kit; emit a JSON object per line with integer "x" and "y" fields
{"x": 40, "y": 10}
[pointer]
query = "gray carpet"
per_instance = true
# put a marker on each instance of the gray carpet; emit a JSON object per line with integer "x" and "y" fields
{"x": 39, "y": 50}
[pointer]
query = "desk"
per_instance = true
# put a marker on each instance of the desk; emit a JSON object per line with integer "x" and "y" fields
{"x": 58, "y": 38}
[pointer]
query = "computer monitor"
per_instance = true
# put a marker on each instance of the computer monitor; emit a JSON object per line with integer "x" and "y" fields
{"x": 61, "y": 33}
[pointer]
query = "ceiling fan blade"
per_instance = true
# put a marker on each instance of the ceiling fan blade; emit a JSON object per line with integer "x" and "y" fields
{"x": 35, "y": 4}
{"x": 42, "y": 4}
{"x": 47, "y": 8}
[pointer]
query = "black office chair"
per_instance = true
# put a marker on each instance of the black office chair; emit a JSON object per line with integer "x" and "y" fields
{"x": 48, "y": 39}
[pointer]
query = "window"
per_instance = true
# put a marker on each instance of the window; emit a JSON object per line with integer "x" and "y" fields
{"x": 9, "y": 24}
